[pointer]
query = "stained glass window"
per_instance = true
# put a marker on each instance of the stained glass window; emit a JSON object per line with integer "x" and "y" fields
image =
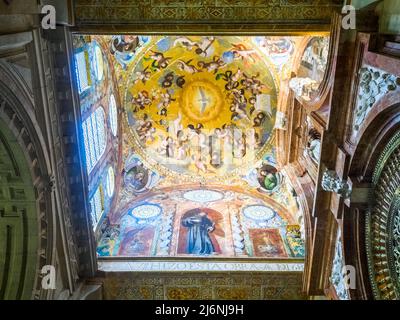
{"x": 94, "y": 134}
{"x": 110, "y": 183}
{"x": 97, "y": 206}
{"x": 82, "y": 71}
{"x": 113, "y": 115}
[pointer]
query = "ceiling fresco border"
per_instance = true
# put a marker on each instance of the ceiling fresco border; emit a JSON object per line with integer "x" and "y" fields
{"x": 207, "y": 16}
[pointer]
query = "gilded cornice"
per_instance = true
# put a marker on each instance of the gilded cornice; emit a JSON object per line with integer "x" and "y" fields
{"x": 148, "y": 15}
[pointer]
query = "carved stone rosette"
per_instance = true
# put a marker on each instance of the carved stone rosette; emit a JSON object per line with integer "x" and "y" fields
{"x": 383, "y": 224}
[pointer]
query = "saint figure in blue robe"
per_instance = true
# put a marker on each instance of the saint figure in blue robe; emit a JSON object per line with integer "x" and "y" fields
{"x": 198, "y": 236}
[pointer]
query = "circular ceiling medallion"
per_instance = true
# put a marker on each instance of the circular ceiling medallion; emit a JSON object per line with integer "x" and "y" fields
{"x": 203, "y": 196}
{"x": 259, "y": 213}
{"x": 146, "y": 211}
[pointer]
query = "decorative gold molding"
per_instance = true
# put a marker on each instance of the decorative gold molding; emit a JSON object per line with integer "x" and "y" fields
{"x": 198, "y": 286}
{"x": 172, "y": 16}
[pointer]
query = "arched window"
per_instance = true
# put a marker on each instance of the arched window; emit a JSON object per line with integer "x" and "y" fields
{"x": 82, "y": 71}
{"x": 98, "y": 63}
{"x": 113, "y": 116}
{"x": 97, "y": 205}
{"x": 110, "y": 182}
{"x": 94, "y": 134}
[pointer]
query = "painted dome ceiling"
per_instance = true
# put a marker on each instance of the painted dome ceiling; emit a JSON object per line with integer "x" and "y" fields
{"x": 203, "y": 107}
{"x": 181, "y": 130}
{"x": 186, "y": 94}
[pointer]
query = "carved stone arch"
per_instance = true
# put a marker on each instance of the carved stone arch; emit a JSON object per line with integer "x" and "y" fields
{"x": 17, "y": 117}
{"x": 372, "y": 142}
{"x": 384, "y": 106}
{"x": 373, "y": 153}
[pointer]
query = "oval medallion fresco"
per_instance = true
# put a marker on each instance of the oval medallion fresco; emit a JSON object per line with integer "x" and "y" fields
{"x": 203, "y": 196}
{"x": 259, "y": 213}
{"x": 146, "y": 211}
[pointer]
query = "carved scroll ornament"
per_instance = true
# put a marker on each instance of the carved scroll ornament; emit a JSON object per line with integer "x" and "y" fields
{"x": 374, "y": 84}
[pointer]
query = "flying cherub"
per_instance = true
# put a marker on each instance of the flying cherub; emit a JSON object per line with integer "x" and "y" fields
{"x": 159, "y": 61}
{"x": 185, "y": 42}
{"x": 213, "y": 66}
{"x": 204, "y": 45}
{"x": 143, "y": 75}
{"x": 142, "y": 100}
{"x": 187, "y": 67}
{"x": 240, "y": 51}
{"x": 232, "y": 79}
{"x": 166, "y": 99}
{"x": 253, "y": 84}
{"x": 168, "y": 80}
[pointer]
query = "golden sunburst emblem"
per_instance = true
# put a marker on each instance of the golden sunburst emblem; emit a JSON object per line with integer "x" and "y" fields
{"x": 202, "y": 101}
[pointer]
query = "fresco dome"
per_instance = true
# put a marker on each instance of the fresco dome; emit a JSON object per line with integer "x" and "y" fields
{"x": 202, "y": 105}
